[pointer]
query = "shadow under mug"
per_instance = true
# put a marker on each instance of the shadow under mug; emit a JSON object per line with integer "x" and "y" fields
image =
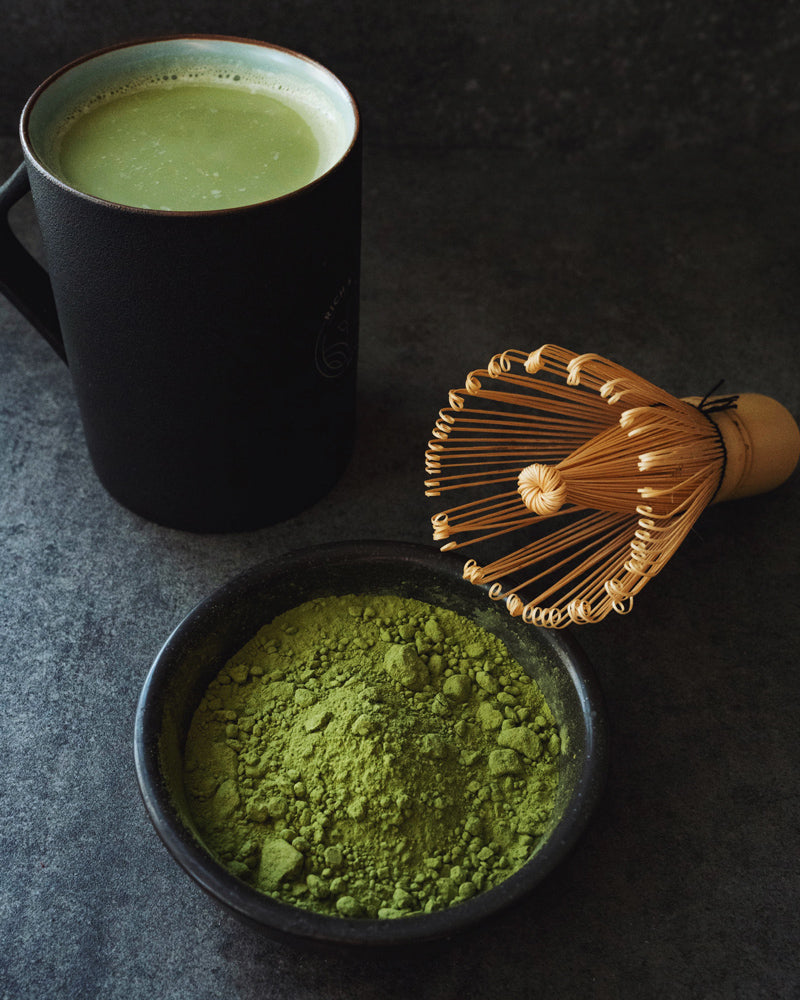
{"x": 213, "y": 354}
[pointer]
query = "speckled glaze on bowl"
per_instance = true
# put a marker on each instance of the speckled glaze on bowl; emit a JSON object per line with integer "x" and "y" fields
{"x": 219, "y": 626}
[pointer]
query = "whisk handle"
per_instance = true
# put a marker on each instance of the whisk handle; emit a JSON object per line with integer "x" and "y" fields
{"x": 762, "y": 445}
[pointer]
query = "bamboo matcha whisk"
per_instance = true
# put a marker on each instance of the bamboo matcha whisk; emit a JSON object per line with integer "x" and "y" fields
{"x": 603, "y": 473}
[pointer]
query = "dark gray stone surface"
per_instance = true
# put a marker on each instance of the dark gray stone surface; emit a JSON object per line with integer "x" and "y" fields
{"x": 681, "y": 262}
{"x": 634, "y": 75}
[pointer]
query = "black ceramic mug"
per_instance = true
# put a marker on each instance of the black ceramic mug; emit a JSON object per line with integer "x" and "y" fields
{"x": 212, "y": 352}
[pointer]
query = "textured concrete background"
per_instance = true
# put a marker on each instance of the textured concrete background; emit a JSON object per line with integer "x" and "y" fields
{"x": 618, "y": 177}
{"x": 631, "y": 76}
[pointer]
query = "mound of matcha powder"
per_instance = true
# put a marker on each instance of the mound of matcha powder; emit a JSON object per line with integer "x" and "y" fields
{"x": 372, "y": 756}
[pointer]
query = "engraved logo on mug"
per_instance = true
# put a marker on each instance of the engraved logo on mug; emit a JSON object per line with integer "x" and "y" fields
{"x": 336, "y": 346}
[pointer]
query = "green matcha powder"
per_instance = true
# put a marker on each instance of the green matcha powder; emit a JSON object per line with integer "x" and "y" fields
{"x": 372, "y": 756}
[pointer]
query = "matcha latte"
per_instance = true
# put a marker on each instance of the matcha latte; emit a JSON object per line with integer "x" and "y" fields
{"x": 192, "y": 124}
{"x": 189, "y": 145}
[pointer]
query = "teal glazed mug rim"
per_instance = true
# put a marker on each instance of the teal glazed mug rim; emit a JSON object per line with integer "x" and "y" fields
{"x": 289, "y": 56}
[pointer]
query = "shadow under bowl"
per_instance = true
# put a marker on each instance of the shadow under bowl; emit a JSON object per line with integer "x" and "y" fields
{"x": 223, "y": 623}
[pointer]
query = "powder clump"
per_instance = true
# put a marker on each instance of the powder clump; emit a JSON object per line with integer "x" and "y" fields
{"x": 372, "y": 756}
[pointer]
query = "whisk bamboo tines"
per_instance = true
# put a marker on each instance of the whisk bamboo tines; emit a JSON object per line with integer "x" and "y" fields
{"x": 604, "y": 471}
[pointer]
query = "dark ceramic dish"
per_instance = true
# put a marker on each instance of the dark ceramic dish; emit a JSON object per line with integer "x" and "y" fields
{"x": 223, "y": 623}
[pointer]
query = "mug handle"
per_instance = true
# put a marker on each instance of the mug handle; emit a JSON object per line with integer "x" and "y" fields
{"x": 23, "y": 280}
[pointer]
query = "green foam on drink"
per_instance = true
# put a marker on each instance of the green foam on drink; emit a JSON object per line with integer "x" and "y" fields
{"x": 189, "y": 145}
